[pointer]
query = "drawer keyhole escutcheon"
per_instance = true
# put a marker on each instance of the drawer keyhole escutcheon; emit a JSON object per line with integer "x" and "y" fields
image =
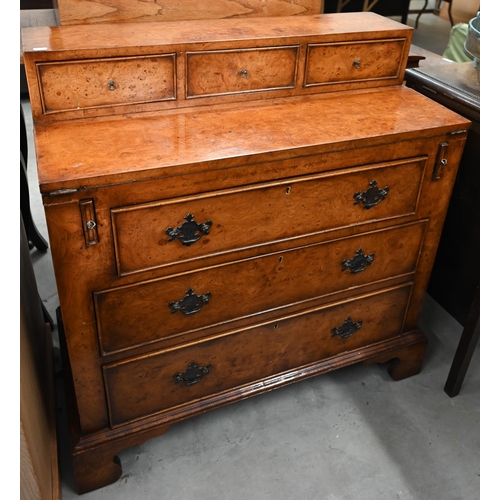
{"x": 358, "y": 263}
{"x": 441, "y": 161}
{"x": 111, "y": 85}
{"x": 356, "y": 64}
{"x": 288, "y": 190}
{"x": 193, "y": 374}
{"x": 347, "y": 329}
{"x": 244, "y": 73}
{"x": 280, "y": 260}
{"x": 190, "y": 231}
{"x": 372, "y": 196}
{"x": 87, "y": 211}
{"x": 190, "y": 304}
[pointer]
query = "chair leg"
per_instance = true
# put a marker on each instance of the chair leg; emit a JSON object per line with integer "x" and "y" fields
{"x": 449, "y": 13}
{"x": 34, "y": 236}
{"x": 420, "y": 13}
{"x": 465, "y": 350}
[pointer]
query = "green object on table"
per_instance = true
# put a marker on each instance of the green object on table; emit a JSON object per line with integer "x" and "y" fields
{"x": 455, "y": 49}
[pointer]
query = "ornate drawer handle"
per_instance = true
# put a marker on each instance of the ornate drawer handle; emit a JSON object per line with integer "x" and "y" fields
{"x": 193, "y": 374}
{"x": 358, "y": 263}
{"x": 347, "y": 329}
{"x": 372, "y": 196}
{"x": 190, "y": 304}
{"x": 111, "y": 85}
{"x": 190, "y": 231}
{"x": 356, "y": 64}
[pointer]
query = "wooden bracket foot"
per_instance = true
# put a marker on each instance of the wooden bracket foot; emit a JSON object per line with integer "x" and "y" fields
{"x": 404, "y": 360}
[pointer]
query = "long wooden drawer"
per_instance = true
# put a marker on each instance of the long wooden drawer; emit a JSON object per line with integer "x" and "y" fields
{"x": 150, "y": 384}
{"x": 341, "y": 62}
{"x": 149, "y": 311}
{"x": 241, "y": 70}
{"x": 71, "y": 85}
{"x": 158, "y": 234}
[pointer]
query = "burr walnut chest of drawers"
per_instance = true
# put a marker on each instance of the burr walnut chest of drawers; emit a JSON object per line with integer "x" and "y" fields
{"x": 232, "y": 206}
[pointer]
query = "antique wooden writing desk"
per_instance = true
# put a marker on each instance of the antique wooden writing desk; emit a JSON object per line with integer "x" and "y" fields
{"x": 232, "y": 206}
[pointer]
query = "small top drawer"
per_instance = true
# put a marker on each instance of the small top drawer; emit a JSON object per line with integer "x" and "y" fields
{"x": 341, "y": 62}
{"x": 218, "y": 72}
{"x": 71, "y": 85}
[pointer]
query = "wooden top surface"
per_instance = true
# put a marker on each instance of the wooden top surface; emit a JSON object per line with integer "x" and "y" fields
{"x": 128, "y": 148}
{"x": 133, "y": 35}
{"x": 107, "y": 11}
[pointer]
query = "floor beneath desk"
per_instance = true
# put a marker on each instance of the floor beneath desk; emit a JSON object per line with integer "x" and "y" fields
{"x": 350, "y": 434}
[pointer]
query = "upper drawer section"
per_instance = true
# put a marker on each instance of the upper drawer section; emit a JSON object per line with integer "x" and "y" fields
{"x": 162, "y": 233}
{"x": 329, "y": 63}
{"x": 233, "y": 71}
{"x": 171, "y": 65}
{"x": 73, "y": 85}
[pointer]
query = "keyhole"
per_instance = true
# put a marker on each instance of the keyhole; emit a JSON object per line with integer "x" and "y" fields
{"x": 276, "y": 326}
{"x": 280, "y": 260}
{"x": 288, "y": 190}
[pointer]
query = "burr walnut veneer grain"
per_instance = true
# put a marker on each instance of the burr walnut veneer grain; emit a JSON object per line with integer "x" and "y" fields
{"x": 127, "y": 11}
{"x": 232, "y": 206}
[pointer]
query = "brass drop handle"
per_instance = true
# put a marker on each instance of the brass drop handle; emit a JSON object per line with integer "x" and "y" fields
{"x": 358, "y": 263}
{"x": 356, "y": 64}
{"x": 347, "y": 329}
{"x": 244, "y": 73}
{"x": 372, "y": 196}
{"x": 190, "y": 231}
{"x": 190, "y": 304}
{"x": 111, "y": 85}
{"x": 193, "y": 374}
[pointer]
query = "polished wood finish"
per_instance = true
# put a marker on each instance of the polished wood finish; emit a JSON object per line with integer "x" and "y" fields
{"x": 85, "y": 71}
{"x": 233, "y": 71}
{"x": 243, "y": 356}
{"x": 185, "y": 237}
{"x": 140, "y": 79}
{"x": 262, "y": 213}
{"x": 139, "y": 309}
{"x": 128, "y": 11}
{"x": 356, "y": 61}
